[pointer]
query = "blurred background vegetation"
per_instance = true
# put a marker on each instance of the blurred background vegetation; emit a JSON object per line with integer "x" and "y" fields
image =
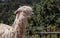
{"x": 46, "y": 14}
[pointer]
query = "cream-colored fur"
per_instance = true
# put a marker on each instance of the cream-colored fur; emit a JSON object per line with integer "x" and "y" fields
{"x": 18, "y": 28}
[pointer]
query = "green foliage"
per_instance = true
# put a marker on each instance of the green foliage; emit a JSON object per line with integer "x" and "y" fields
{"x": 46, "y": 12}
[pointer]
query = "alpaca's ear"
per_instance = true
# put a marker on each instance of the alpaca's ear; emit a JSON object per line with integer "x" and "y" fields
{"x": 17, "y": 12}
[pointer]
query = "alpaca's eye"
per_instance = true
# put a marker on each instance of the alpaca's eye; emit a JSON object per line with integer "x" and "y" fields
{"x": 24, "y": 11}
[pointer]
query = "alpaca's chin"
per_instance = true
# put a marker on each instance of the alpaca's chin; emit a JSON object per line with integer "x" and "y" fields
{"x": 30, "y": 17}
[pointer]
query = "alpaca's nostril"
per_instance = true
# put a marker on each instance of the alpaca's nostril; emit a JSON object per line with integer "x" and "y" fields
{"x": 32, "y": 13}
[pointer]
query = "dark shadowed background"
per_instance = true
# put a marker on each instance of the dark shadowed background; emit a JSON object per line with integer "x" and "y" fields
{"x": 46, "y": 14}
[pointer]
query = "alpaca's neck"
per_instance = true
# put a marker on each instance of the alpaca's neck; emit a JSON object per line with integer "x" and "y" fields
{"x": 15, "y": 21}
{"x": 20, "y": 26}
{"x": 19, "y": 21}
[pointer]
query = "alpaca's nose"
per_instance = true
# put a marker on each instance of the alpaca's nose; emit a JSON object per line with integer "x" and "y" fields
{"x": 32, "y": 13}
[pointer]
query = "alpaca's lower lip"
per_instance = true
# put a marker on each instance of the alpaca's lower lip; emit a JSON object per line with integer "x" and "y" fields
{"x": 31, "y": 17}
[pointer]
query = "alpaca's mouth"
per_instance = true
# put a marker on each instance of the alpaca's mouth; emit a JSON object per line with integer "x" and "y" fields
{"x": 31, "y": 16}
{"x": 32, "y": 13}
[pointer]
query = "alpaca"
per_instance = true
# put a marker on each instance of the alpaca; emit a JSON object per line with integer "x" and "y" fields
{"x": 18, "y": 28}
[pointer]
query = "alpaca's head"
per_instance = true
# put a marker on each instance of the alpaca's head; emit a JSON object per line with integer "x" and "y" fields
{"x": 24, "y": 10}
